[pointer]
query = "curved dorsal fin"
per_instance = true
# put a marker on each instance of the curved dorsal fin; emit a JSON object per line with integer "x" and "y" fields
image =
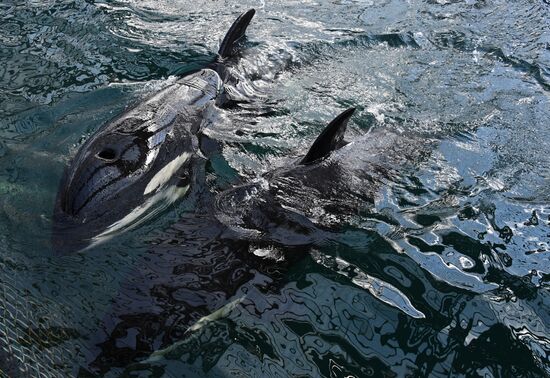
{"x": 330, "y": 138}
{"x": 235, "y": 32}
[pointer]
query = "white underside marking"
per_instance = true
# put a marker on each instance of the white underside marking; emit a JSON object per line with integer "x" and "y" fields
{"x": 166, "y": 173}
{"x": 221, "y": 313}
{"x": 141, "y": 213}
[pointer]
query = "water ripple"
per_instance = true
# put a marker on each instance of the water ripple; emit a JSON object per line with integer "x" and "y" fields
{"x": 432, "y": 248}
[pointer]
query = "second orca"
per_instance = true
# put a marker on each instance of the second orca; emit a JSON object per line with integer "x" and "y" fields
{"x": 335, "y": 184}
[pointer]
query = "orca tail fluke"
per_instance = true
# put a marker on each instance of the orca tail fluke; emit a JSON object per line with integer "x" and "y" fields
{"x": 236, "y": 32}
{"x": 330, "y": 139}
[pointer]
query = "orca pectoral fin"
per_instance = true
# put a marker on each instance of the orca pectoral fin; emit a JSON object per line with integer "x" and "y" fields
{"x": 236, "y": 32}
{"x": 330, "y": 139}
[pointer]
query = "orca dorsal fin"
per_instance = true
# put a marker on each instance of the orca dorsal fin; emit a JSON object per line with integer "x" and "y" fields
{"x": 235, "y": 32}
{"x": 330, "y": 139}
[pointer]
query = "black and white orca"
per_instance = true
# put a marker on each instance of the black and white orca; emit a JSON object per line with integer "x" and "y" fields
{"x": 143, "y": 160}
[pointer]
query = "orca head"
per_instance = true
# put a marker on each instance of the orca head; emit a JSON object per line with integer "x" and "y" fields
{"x": 117, "y": 180}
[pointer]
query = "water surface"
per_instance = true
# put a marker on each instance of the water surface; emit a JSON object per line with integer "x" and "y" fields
{"x": 446, "y": 274}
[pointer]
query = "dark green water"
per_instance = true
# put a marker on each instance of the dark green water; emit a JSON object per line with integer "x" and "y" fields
{"x": 448, "y": 272}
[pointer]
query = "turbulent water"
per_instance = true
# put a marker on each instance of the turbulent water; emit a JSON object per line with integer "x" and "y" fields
{"x": 445, "y": 272}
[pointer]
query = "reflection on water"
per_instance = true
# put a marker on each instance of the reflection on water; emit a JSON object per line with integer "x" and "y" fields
{"x": 427, "y": 239}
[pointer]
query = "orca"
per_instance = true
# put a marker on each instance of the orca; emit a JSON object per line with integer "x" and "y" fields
{"x": 143, "y": 160}
{"x": 333, "y": 185}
